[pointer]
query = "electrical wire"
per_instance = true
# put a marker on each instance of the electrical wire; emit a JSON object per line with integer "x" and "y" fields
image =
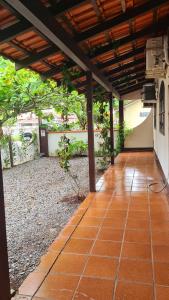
{"x": 155, "y": 183}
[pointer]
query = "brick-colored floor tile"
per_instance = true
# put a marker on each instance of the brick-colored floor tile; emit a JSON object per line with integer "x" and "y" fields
{"x": 69, "y": 263}
{"x": 135, "y": 250}
{"x": 91, "y": 221}
{"x": 114, "y": 223}
{"x": 136, "y": 270}
{"x": 78, "y": 246}
{"x": 83, "y": 232}
{"x": 160, "y": 237}
{"x": 133, "y": 291}
{"x": 161, "y": 253}
{"x": 162, "y": 293}
{"x": 97, "y": 289}
{"x": 161, "y": 271}
{"x": 110, "y": 234}
{"x": 60, "y": 287}
{"x": 106, "y": 248}
{"x": 133, "y": 223}
{"x": 101, "y": 267}
{"x": 137, "y": 236}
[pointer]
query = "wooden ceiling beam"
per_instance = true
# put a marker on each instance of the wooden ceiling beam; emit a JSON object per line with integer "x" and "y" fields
{"x": 121, "y": 58}
{"x": 123, "y": 75}
{"x": 124, "y": 67}
{"x": 43, "y": 21}
{"x": 129, "y": 78}
{"x": 132, "y": 88}
{"x": 63, "y": 6}
{"x": 122, "y": 18}
{"x": 159, "y": 26}
{"x": 23, "y": 25}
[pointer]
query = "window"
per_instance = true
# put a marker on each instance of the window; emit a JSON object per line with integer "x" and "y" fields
{"x": 162, "y": 108}
{"x": 144, "y": 114}
{"x": 155, "y": 116}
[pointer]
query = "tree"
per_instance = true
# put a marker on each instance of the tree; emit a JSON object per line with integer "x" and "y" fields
{"x": 23, "y": 91}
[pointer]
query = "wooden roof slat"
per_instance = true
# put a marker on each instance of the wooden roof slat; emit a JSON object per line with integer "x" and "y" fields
{"x": 122, "y": 76}
{"x": 120, "y": 58}
{"x": 160, "y": 25}
{"x": 35, "y": 57}
{"x": 41, "y": 19}
{"x": 131, "y": 82}
{"x": 12, "y": 31}
{"x": 125, "y": 66}
{"x": 63, "y": 6}
{"x": 23, "y": 25}
{"x": 122, "y": 18}
{"x": 132, "y": 88}
{"x": 129, "y": 78}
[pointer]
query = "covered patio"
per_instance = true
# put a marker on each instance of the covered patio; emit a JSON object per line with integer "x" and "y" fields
{"x": 116, "y": 246}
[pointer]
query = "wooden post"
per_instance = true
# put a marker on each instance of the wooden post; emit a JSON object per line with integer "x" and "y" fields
{"x": 111, "y": 128}
{"x": 121, "y": 122}
{"x": 4, "y": 267}
{"x": 90, "y": 128}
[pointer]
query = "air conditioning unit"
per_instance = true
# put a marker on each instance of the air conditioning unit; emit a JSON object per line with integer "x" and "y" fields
{"x": 155, "y": 58}
{"x": 149, "y": 94}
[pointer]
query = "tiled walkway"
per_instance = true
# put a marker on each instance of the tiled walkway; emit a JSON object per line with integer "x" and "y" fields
{"x": 116, "y": 246}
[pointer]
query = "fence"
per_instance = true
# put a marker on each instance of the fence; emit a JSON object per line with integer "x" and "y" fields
{"x": 54, "y": 138}
{"x": 21, "y": 153}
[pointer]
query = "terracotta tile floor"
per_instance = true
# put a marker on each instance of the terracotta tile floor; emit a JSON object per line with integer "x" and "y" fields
{"x": 115, "y": 246}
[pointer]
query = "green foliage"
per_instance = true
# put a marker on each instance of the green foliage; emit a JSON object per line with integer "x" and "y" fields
{"x": 123, "y": 132}
{"x": 4, "y": 141}
{"x": 69, "y": 149}
{"x": 23, "y": 91}
{"x": 104, "y": 148}
{"x": 66, "y": 152}
{"x": 78, "y": 148}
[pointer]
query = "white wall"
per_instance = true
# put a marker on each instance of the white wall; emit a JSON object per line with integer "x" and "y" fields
{"x": 161, "y": 142}
{"x": 142, "y": 135}
{"x": 132, "y": 111}
{"x": 54, "y": 138}
{"x": 20, "y": 155}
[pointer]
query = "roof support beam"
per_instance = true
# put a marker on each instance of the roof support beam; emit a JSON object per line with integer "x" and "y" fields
{"x": 35, "y": 57}
{"x": 122, "y": 76}
{"x": 161, "y": 25}
{"x": 23, "y": 25}
{"x": 11, "y": 32}
{"x": 125, "y": 17}
{"x": 132, "y": 88}
{"x": 63, "y": 6}
{"x": 124, "y": 67}
{"x": 41, "y": 19}
{"x": 120, "y": 58}
{"x": 130, "y": 79}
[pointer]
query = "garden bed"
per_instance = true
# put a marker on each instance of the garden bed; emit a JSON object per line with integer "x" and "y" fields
{"x": 37, "y": 208}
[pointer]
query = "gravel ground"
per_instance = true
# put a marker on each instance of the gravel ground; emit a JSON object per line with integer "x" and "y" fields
{"x": 36, "y": 210}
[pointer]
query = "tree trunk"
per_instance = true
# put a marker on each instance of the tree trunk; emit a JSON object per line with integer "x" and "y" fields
{"x": 11, "y": 152}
